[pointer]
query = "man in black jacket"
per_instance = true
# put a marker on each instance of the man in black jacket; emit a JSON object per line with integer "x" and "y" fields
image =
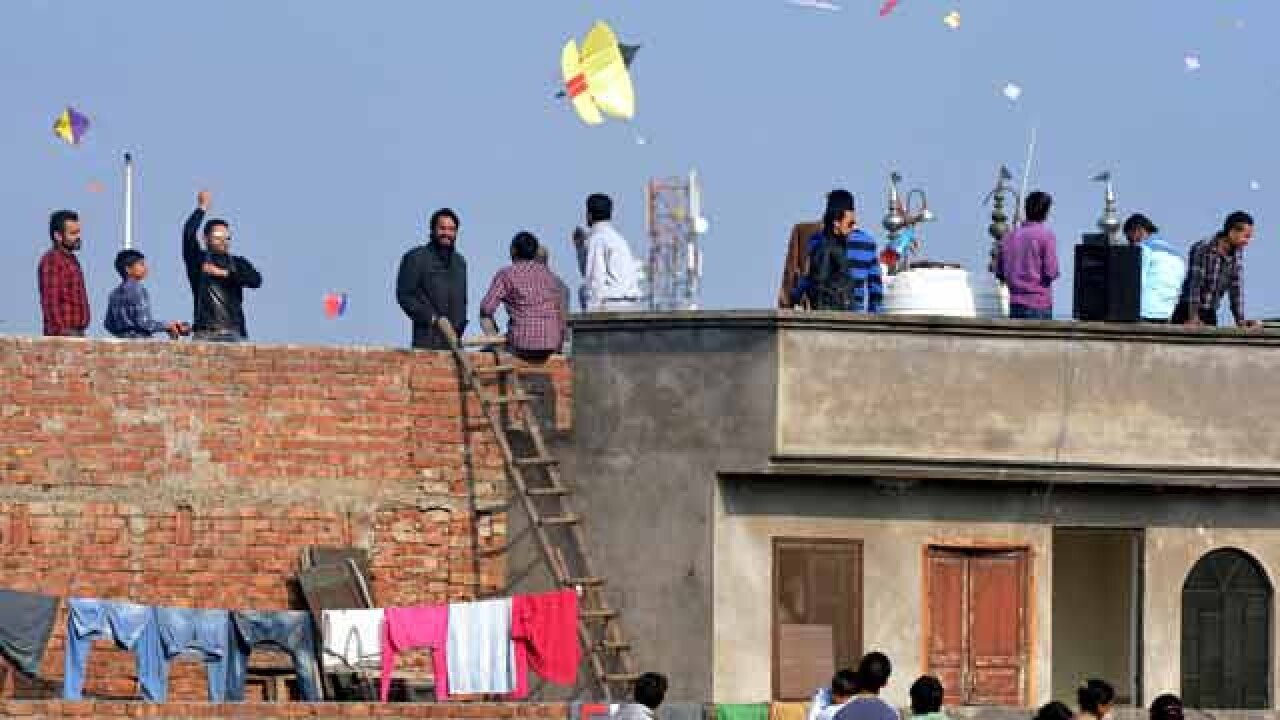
{"x": 217, "y": 277}
{"x": 432, "y": 283}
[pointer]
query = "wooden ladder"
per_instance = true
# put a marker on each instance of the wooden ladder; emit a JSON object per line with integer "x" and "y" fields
{"x": 549, "y": 511}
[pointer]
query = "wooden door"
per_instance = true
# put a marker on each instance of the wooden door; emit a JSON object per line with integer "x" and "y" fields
{"x": 948, "y": 622}
{"x": 997, "y": 628}
{"x": 1226, "y": 633}
{"x": 977, "y": 634}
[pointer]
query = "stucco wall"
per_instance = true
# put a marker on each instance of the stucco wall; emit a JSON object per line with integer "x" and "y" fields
{"x": 662, "y": 412}
{"x": 1007, "y": 427}
{"x": 997, "y": 394}
{"x": 1170, "y": 555}
{"x": 893, "y": 594}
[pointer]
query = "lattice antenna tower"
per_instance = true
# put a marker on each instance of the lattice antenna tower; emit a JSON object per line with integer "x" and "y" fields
{"x": 675, "y": 225}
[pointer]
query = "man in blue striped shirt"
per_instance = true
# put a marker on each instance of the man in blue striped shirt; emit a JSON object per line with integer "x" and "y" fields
{"x": 864, "y": 265}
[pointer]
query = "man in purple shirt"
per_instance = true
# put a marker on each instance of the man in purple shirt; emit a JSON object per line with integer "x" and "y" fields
{"x": 1028, "y": 262}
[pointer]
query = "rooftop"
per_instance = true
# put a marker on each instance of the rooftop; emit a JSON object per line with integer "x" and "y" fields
{"x": 789, "y": 392}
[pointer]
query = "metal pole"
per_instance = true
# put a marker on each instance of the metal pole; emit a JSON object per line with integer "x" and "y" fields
{"x": 1026, "y": 174}
{"x": 128, "y": 201}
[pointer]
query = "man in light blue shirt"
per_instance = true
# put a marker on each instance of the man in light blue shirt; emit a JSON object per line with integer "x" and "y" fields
{"x": 1162, "y": 270}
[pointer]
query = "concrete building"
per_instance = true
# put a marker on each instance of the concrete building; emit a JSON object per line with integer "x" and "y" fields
{"x": 1013, "y": 506}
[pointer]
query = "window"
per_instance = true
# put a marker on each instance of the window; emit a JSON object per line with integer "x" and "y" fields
{"x": 817, "y": 613}
{"x": 1226, "y": 633}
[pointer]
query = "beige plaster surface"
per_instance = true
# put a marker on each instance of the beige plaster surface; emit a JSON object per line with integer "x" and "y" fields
{"x": 1008, "y": 398}
{"x": 893, "y": 600}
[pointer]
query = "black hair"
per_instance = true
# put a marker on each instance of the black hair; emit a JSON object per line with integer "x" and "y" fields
{"x": 1054, "y": 711}
{"x": 58, "y": 222}
{"x": 844, "y": 684}
{"x": 1094, "y": 694}
{"x": 840, "y": 198}
{"x": 926, "y": 695}
{"x": 1037, "y": 205}
{"x": 1138, "y": 220}
{"x": 1235, "y": 220}
{"x": 214, "y": 224}
{"x": 1166, "y": 707}
{"x": 873, "y": 672}
{"x": 524, "y": 246}
{"x": 125, "y": 260}
{"x": 599, "y": 207}
{"x": 442, "y": 213}
{"x": 651, "y": 689}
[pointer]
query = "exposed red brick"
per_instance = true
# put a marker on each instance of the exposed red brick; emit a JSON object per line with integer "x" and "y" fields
{"x": 19, "y": 526}
{"x": 191, "y": 474}
{"x": 274, "y": 711}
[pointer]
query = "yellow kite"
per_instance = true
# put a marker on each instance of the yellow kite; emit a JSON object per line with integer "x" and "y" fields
{"x": 597, "y": 79}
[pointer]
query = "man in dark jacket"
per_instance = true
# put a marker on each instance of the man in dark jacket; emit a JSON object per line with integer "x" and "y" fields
{"x": 217, "y": 277}
{"x": 432, "y": 283}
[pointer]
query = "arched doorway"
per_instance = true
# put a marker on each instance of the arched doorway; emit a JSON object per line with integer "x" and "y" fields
{"x": 1226, "y": 633}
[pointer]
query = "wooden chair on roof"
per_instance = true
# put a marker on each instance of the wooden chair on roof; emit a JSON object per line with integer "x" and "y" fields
{"x": 336, "y": 579}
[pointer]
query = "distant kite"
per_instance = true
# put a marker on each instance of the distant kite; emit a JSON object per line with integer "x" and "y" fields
{"x": 597, "y": 79}
{"x": 816, "y": 4}
{"x": 335, "y": 304}
{"x": 71, "y": 126}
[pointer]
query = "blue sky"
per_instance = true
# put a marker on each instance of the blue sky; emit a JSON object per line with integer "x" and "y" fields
{"x": 329, "y": 130}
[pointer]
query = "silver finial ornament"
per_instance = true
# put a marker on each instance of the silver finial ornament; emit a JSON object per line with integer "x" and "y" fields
{"x": 1109, "y": 223}
{"x": 999, "y": 226}
{"x": 894, "y": 222}
{"x": 902, "y": 216}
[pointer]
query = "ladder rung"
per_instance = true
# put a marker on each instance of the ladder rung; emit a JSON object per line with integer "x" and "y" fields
{"x": 507, "y": 399}
{"x": 596, "y": 581}
{"x": 567, "y": 519}
{"x": 484, "y": 340}
{"x": 537, "y": 461}
{"x": 605, "y": 614}
{"x": 546, "y": 491}
{"x": 615, "y": 646}
{"x": 493, "y": 507}
{"x": 494, "y": 369}
{"x": 620, "y": 677}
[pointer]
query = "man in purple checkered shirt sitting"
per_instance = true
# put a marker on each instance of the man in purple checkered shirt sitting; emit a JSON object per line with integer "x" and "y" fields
{"x": 533, "y": 297}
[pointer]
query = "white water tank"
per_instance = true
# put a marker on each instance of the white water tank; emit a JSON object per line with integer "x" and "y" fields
{"x": 946, "y": 290}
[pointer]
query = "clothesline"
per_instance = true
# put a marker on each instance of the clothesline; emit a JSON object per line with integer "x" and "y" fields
{"x": 482, "y": 647}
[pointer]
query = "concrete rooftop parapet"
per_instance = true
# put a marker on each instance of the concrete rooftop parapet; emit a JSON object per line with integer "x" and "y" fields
{"x": 972, "y": 327}
{"x": 931, "y": 397}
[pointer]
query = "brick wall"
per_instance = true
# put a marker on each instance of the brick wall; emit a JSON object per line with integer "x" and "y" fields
{"x": 194, "y": 474}
{"x": 178, "y": 711}
{"x": 478, "y": 711}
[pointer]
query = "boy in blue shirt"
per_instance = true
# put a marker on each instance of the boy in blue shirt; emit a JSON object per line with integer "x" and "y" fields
{"x": 129, "y": 307}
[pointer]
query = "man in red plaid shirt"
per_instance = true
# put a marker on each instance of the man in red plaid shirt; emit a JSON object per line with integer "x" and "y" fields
{"x": 534, "y": 302}
{"x": 63, "y": 298}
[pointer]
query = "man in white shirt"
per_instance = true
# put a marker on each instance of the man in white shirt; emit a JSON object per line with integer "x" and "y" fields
{"x": 610, "y": 281}
{"x": 829, "y": 701}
